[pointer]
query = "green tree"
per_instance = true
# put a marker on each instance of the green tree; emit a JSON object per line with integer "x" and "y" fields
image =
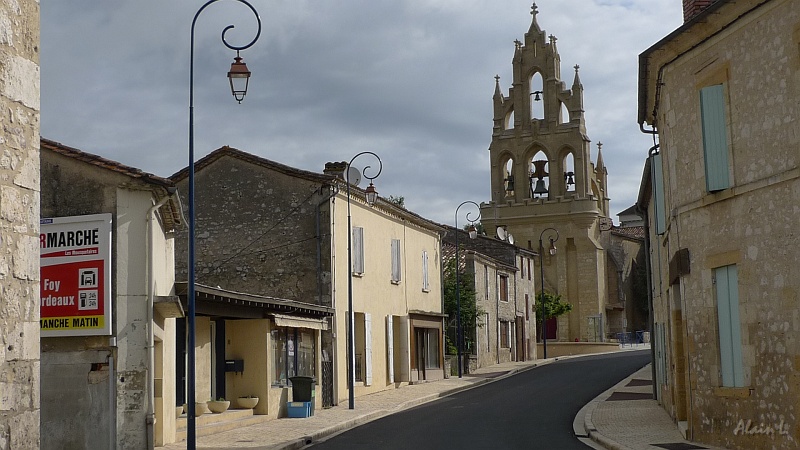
{"x": 549, "y": 305}
{"x": 471, "y": 314}
{"x": 398, "y": 200}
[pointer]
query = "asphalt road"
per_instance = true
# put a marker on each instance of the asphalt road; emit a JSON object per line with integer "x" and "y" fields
{"x": 531, "y": 410}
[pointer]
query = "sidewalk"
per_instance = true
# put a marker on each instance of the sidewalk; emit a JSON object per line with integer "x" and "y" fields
{"x": 614, "y": 419}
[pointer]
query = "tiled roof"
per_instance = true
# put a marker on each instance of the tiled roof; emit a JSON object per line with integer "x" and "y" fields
{"x": 171, "y": 212}
{"x": 629, "y": 232}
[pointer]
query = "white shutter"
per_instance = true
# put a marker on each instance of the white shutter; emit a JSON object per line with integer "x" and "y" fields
{"x": 425, "y": 282}
{"x": 358, "y": 250}
{"x": 390, "y": 346}
{"x": 396, "y": 260}
{"x": 368, "y": 349}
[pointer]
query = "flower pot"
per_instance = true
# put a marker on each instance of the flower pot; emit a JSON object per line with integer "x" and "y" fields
{"x": 178, "y": 411}
{"x": 218, "y": 406}
{"x": 247, "y": 402}
{"x": 200, "y": 408}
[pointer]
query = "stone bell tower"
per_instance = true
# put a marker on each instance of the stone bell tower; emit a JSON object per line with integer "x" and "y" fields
{"x": 542, "y": 177}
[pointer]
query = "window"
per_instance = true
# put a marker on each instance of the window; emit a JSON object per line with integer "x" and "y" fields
{"x": 395, "y": 261}
{"x": 715, "y": 137}
{"x": 503, "y": 288}
{"x": 521, "y": 268}
{"x": 726, "y": 279}
{"x": 358, "y": 250}
{"x": 431, "y": 348}
{"x": 293, "y": 353}
{"x": 504, "y": 334}
{"x": 425, "y": 282}
{"x": 527, "y": 308}
{"x": 529, "y": 268}
{"x": 486, "y": 281}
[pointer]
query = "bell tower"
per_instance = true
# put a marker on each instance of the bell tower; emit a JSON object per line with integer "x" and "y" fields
{"x": 542, "y": 176}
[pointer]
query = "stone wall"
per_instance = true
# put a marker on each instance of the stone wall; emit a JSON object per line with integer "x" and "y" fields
{"x": 19, "y": 224}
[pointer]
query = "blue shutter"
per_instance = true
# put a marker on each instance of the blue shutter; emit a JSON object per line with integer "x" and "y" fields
{"x": 715, "y": 137}
{"x": 657, "y": 177}
{"x": 730, "y": 328}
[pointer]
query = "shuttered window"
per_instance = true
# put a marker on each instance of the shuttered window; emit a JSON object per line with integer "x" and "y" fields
{"x": 425, "y": 281}
{"x": 503, "y": 291}
{"x": 657, "y": 177}
{"x": 726, "y": 279}
{"x": 358, "y": 250}
{"x": 395, "y": 260}
{"x": 715, "y": 137}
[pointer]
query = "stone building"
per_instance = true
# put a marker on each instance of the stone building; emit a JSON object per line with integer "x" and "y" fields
{"x": 544, "y": 182}
{"x": 505, "y": 292}
{"x": 265, "y": 229}
{"x": 721, "y": 193}
{"x": 105, "y": 357}
{"x": 19, "y": 224}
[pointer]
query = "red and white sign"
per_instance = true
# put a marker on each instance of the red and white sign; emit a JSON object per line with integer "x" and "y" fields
{"x": 75, "y": 277}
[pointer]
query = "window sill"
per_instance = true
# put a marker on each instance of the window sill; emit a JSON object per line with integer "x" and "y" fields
{"x": 395, "y": 282}
{"x": 732, "y": 392}
{"x": 426, "y": 291}
{"x": 358, "y": 274}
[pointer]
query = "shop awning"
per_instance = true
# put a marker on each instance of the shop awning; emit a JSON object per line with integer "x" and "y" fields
{"x": 300, "y": 322}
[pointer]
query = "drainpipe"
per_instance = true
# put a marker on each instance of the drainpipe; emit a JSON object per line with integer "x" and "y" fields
{"x": 650, "y": 318}
{"x": 150, "y": 416}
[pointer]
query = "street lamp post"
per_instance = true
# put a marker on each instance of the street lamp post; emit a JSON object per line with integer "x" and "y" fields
{"x": 541, "y": 272}
{"x": 371, "y": 195}
{"x": 238, "y": 76}
{"x": 472, "y": 234}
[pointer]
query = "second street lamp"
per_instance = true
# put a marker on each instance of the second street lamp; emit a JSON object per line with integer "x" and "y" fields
{"x": 473, "y": 233}
{"x": 237, "y": 74}
{"x": 371, "y": 196}
{"x": 541, "y": 272}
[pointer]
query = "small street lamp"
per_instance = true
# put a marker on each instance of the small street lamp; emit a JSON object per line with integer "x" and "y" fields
{"x": 371, "y": 196}
{"x": 473, "y": 233}
{"x": 237, "y": 75}
{"x": 552, "y": 251}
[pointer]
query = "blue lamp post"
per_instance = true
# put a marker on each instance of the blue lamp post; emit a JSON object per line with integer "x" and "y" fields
{"x": 473, "y": 233}
{"x": 371, "y": 196}
{"x": 238, "y": 76}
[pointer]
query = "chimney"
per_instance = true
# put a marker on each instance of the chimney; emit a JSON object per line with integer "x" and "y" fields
{"x": 692, "y": 8}
{"x": 335, "y": 168}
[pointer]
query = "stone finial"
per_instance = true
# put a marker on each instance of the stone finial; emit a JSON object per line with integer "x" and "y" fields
{"x": 553, "y": 39}
{"x": 517, "y": 43}
{"x": 576, "y": 68}
{"x": 534, "y": 10}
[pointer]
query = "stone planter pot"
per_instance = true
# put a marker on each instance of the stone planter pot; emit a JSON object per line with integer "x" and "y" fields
{"x": 200, "y": 408}
{"x": 247, "y": 402}
{"x": 178, "y": 411}
{"x": 218, "y": 406}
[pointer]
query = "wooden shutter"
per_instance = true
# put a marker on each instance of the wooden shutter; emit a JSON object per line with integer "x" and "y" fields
{"x": 657, "y": 178}
{"x": 358, "y": 250}
{"x": 368, "y": 349}
{"x": 396, "y": 260}
{"x": 715, "y": 137}
{"x": 425, "y": 283}
{"x": 730, "y": 328}
{"x": 390, "y": 347}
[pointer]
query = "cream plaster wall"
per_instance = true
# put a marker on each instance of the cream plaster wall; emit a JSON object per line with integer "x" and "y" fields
{"x": 374, "y": 292}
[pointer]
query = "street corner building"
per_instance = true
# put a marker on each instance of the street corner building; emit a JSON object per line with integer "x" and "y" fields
{"x": 721, "y": 195}
{"x": 107, "y": 302}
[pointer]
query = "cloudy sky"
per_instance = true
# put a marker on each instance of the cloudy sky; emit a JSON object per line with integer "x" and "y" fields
{"x": 411, "y": 80}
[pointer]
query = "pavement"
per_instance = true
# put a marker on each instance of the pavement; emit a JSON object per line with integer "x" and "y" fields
{"x": 624, "y": 417}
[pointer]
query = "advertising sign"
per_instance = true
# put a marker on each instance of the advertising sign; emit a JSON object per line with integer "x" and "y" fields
{"x": 75, "y": 278}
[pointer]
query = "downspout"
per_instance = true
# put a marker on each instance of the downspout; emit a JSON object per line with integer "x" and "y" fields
{"x": 150, "y": 418}
{"x": 648, "y": 269}
{"x": 497, "y": 311}
{"x": 332, "y": 193}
